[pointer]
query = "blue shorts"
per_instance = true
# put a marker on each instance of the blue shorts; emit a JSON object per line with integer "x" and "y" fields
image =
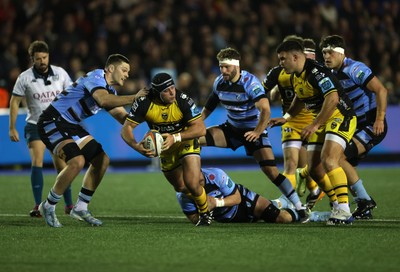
{"x": 31, "y": 133}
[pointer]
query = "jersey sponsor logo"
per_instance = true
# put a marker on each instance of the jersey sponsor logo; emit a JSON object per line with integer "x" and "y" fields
{"x": 360, "y": 75}
{"x": 195, "y": 111}
{"x": 166, "y": 128}
{"x": 46, "y": 96}
{"x": 257, "y": 90}
{"x": 135, "y": 105}
{"x": 326, "y": 84}
{"x": 55, "y": 77}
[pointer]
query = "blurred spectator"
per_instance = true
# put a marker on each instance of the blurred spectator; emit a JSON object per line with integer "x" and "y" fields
{"x": 189, "y": 33}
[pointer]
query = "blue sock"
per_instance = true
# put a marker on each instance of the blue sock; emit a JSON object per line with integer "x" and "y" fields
{"x": 359, "y": 189}
{"x": 37, "y": 183}
{"x": 287, "y": 190}
{"x": 68, "y": 196}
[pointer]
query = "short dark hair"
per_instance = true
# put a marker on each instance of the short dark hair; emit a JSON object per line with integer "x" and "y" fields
{"x": 38, "y": 46}
{"x": 333, "y": 40}
{"x": 309, "y": 45}
{"x": 116, "y": 59}
{"x": 228, "y": 53}
{"x": 293, "y": 38}
{"x": 290, "y": 45}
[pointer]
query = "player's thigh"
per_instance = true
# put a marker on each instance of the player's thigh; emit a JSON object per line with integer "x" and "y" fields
{"x": 302, "y": 157}
{"x": 191, "y": 165}
{"x": 175, "y": 178}
{"x": 218, "y": 136}
{"x": 331, "y": 154}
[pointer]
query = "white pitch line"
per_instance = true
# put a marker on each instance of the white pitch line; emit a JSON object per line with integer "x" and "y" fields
{"x": 181, "y": 217}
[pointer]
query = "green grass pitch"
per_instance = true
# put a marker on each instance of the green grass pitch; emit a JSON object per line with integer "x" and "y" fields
{"x": 144, "y": 230}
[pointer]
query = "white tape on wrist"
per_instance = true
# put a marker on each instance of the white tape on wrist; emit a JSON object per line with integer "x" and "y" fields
{"x": 177, "y": 137}
{"x": 286, "y": 116}
{"x": 219, "y": 202}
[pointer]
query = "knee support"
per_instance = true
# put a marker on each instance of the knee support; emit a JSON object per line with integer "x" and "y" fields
{"x": 270, "y": 214}
{"x": 351, "y": 153}
{"x": 71, "y": 150}
{"x": 91, "y": 150}
{"x": 267, "y": 163}
{"x": 209, "y": 139}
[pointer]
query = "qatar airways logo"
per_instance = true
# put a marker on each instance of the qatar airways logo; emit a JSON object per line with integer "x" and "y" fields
{"x": 46, "y": 96}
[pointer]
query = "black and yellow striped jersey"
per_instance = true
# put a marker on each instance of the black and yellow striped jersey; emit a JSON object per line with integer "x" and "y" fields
{"x": 314, "y": 83}
{"x": 278, "y": 76}
{"x": 165, "y": 118}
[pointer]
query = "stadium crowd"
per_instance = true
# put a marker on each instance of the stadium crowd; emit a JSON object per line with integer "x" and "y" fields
{"x": 184, "y": 36}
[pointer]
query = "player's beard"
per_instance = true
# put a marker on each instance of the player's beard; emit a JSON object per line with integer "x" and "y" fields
{"x": 231, "y": 76}
{"x": 42, "y": 68}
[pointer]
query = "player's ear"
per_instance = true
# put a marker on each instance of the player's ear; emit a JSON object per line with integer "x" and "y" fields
{"x": 111, "y": 68}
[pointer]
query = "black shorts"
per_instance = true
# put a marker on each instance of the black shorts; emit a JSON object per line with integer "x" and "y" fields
{"x": 53, "y": 129}
{"x": 245, "y": 210}
{"x": 235, "y": 138}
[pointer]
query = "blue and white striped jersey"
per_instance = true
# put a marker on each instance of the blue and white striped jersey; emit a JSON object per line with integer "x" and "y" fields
{"x": 238, "y": 99}
{"x": 76, "y": 103}
{"x": 354, "y": 77}
{"x": 217, "y": 184}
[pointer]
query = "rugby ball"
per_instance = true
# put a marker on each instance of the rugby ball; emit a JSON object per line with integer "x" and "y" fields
{"x": 153, "y": 140}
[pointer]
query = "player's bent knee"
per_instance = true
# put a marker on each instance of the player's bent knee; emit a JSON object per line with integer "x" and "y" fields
{"x": 91, "y": 150}
{"x": 270, "y": 214}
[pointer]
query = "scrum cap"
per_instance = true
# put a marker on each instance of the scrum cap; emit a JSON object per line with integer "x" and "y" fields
{"x": 161, "y": 81}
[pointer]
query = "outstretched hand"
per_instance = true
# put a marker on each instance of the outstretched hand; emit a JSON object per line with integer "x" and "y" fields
{"x": 142, "y": 92}
{"x": 278, "y": 121}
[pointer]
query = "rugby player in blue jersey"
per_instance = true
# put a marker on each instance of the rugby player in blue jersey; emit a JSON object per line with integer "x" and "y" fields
{"x": 60, "y": 130}
{"x": 247, "y": 105}
{"x": 233, "y": 202}
{"x": 369, "y": 98}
